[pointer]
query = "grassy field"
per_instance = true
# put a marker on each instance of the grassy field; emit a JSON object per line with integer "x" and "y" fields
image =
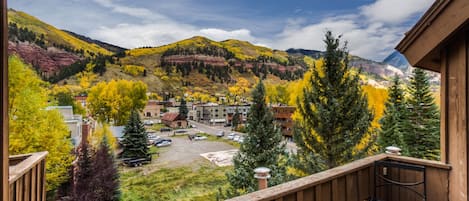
{"x": 221, "y": 139}
{"x": 216, "y": 139}
{"x": 181, "y": 184}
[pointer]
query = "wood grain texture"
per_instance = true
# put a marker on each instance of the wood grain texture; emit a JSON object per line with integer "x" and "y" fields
{"x": 4, "y": 185}
{"x": 357, "y": 183}
{"x": 457, "y": 117}
{"x": 27, "y": 181}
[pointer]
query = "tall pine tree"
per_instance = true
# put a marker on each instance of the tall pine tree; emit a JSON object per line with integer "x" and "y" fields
{"x": 135, "y": 140}
{"x": 236, "y": 119}
{"x": 106, "y": 177}
{"x": 183, "y": 108}
{"x": 335, "y": 118}
{"x": 262, "y": 147}
{"x": 82, "y": 190}
{"x": 422, "y": 136}
{"x": 394, "y": 119}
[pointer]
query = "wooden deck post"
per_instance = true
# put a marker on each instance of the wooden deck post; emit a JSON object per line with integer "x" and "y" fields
{"x": 4, "y": 104}
{"x": 454, "y": 127}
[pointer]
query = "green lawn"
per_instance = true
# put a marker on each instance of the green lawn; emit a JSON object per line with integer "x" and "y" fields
{"x": 178, "y": 184}
{"x": 221, "y": 139}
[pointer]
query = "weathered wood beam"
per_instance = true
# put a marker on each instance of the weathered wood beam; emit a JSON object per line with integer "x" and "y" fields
{"x": 4, "y": 104}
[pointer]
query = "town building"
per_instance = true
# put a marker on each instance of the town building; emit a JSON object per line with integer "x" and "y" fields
{"x": 243, "y": 110}
{"x": 81, "y": 99}
{"x": 174, "y": 120}
{"x": 152, "y": 110}
{"x": 74, "y": 123}
{"x": 283, "y": 117}
{"x": 211, "y": 113}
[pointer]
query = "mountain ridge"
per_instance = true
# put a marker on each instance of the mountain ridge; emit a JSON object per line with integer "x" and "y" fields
{"x": 176, "y": 65}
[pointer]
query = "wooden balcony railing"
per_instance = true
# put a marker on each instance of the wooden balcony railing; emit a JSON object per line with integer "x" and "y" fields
{"x": 356, "y": 182}
{"x": 27, "y": 177}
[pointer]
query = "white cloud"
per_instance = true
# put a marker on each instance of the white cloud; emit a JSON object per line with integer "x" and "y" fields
{"x": 156, "y": 34}
{"x": 131, "y": 11}
{"x": 394, "y": 11}
{"x": 372, "y": 32}
{"x": 220, "y": 34}
{"x": 157, "y": 29}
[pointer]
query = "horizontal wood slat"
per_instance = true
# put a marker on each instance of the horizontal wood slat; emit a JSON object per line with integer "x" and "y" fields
{"x": 355, "y": 182}
{"x": 27, "y": 177}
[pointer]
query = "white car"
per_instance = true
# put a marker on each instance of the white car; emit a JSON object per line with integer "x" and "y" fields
{"x": 231, "y": 136}
{"x": 241, "y": 139}
{"x": 236, "y": 138}
{"x": 199, "y": 137}
{"x": 148, "y": 122}
{"x": 220, "y": 134}
{"x": 163, "y": 144}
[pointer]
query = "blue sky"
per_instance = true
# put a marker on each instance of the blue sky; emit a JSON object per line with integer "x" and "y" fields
{"x": 371, "y": 27}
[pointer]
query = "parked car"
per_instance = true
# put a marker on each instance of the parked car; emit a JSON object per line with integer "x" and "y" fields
{"x": 236, "y": 138}
{"x": 163, "y": 144}
{"x": 241, "y": 139}
{"x": 193, "y": 126}
{"x": 220, "y": 134}
{"x": 165, "y": 129}
{"x": 148, "y": 122}
{"x": 180, "y": 131}
{"x": 134, "y": 162}
{"x": 200, "y": 137}
{"x": 227, "y": 125}
{"x": 152, "y": 136}
{"x": 160, "y": 140}
{"x": 231, "y": 136}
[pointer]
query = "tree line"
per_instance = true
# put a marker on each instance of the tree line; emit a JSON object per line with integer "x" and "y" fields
{"x": 206, "y": 50}
{"x": 23, "y": 34}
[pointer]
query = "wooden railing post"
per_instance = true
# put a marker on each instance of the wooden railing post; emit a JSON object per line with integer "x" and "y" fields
{"x": 4, "y": 104}
{"x": 262, "y": 174}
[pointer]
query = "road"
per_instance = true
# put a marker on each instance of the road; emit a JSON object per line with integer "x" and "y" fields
{"x": 213, "y": 130}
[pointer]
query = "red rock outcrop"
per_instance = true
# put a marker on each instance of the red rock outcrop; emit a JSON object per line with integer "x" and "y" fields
{"x": 48, "y": 61}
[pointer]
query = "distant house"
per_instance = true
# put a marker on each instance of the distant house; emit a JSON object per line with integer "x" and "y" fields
{"x": 74, "y": 123}
{"x": 152, "y": 110}
{"x": 174, "y": 120}
{"x": 283, "y": 117}
{"x": 81, "y": 99}
{"x": 243, "y": 111}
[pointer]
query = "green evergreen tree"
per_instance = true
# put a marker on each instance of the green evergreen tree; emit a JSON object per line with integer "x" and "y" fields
{"x": 422, "y": 136}
{"x": 335, "y": 117}
{"x": 303, "y": 162}
{"x": 262, "y": 147}
{"x": 394, "y": 119}
{"x": 236, "y": 119}
{"x": 135, "y": 140}
{"x": 183, "y": 108}
{"x": 105, "y": 181}
{"x": 82, "y": 189}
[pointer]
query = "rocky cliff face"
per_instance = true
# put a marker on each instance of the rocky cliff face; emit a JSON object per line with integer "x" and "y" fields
{"x": 47, "y": 61}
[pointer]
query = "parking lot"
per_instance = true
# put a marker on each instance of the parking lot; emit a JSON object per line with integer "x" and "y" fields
{"x": 186, "y": 152}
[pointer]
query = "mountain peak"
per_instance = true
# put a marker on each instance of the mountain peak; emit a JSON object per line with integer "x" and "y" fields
{"x": 398, "y": 60}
